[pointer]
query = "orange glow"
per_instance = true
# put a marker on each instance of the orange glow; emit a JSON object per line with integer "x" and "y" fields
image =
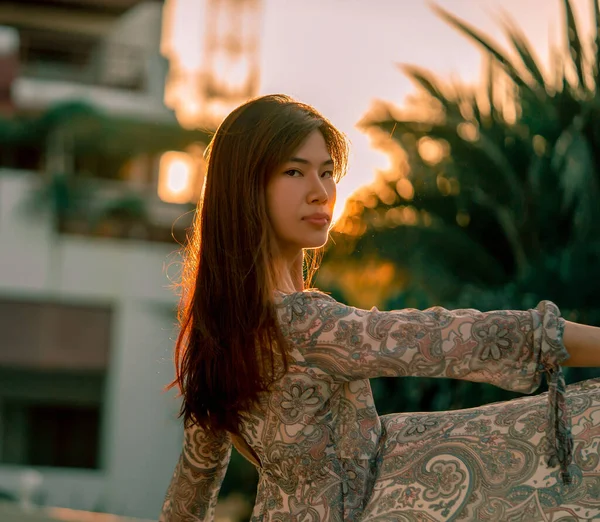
{"x": 468, "y": 131}
{"x": 211, "y": 51}
{"x": 236, "y": 71}
{"x": 177, "y": 177}
{"x": 405, "y": 188}
{"x": 393, "y": 217}
{"x": 74, "y": 515}
{"x": 182, "y": 18}
{"x": 443, "y": 185}
{"x": 409, "y": 216}
{"x": 364, "y": 72}
{"x": 366, "y": 282}
{"x": 431, "y": 151}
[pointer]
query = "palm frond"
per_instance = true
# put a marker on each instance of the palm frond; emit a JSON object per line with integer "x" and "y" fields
{"x": 523, "y": 48}
{"x": 558, "y": 68}
{"x": 575, "y": 47}
{"x": 427, "y": 81}
{"x": 492, "y": 150}
{"x": 408, "y": 246}
{"x": 596, "y": 61}
{"x": 495, "y": 158}
{"x": 529, "y": 183}
{"x": 578, "y": 181}
{"x": 491, "y": 80}
{"x": 506, "y": 219}
{"x": 489, "y": 46}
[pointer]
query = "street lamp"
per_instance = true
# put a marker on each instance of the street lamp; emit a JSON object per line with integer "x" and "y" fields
{"x": 181, "y": 175}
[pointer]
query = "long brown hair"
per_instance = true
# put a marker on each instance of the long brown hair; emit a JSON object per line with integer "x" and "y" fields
{"x": 229, "y": 348}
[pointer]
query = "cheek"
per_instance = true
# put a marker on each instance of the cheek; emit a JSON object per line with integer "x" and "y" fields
{"x": 333, "y": 194}
{"x": 278, "y": 204}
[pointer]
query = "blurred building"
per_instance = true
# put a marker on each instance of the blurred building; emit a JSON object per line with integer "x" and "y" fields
{"x": 88, "y": 202}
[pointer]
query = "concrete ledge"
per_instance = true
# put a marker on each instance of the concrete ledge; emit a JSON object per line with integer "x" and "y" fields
{"x": 11, "y": 512}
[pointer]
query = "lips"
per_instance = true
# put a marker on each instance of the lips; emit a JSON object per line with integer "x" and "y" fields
{"x": 319, "y": 219}
{"x": 317, "y": 216}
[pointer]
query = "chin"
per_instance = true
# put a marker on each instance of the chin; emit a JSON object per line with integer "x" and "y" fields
{"x": 316, "y": 243}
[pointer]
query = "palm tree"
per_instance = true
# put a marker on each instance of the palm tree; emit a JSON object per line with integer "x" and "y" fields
{"x": 499, "y": 205}
{"x": 504, "y": 184}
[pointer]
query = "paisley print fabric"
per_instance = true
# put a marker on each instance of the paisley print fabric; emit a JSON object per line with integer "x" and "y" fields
{"x": 324, "y": 454}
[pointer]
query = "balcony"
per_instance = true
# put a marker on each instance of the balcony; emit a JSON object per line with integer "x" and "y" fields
{"x": 54, "y": 53}
{"x": 116, "y": 209}
{"x": 100, "y": 174}
{"x": 47, "y": 55}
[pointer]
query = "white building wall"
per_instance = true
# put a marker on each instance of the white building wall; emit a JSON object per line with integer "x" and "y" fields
{"x": 140, "y": 28}
{"x": 38, "y": 94}
{"x": 141, "y": 436}
{"x": 137, "y": 31}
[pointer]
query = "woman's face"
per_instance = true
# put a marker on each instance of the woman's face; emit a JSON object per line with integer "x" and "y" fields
{"x": 301, "y": 197}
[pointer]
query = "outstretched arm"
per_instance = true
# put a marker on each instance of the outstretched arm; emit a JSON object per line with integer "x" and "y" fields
{"x": 583, "y": 344}
{"x": 508, "y": 348}
{"x": 194, "y": 488}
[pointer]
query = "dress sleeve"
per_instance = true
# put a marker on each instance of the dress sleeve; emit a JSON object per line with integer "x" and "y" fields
{"x": 509, "y": 349}
{"x": 194, "y": 489}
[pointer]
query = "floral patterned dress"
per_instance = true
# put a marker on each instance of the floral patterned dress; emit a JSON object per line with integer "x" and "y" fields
{"x": 324, "y": 454}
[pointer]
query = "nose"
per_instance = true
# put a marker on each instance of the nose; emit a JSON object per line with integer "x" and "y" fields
{"x": 318, "y": 191}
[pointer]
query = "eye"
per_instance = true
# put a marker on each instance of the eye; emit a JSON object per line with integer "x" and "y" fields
{"x": 292, "y": 173}
{"x": 327, "y": 174}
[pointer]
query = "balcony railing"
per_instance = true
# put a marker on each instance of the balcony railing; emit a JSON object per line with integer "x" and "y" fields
{"x": 119, "y": 209}
{"x": 70, "y": 58}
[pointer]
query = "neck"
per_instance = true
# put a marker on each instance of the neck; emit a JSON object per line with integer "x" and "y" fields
{"x": 289, "y": 274}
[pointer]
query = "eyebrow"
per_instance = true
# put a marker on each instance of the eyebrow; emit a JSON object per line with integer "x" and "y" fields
{"x": 306, "y": 162}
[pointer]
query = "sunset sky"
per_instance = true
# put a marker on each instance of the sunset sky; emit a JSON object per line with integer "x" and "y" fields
{"x": 339, "y": 55}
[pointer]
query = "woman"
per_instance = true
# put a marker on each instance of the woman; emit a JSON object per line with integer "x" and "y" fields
{"x": 282, "y": 373}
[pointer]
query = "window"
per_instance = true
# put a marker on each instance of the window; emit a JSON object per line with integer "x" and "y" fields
{"x": 54, "y": 335}
{"x": 53, "y": 361}
{"x": 59, "y": 435}
{"x": 46, "y": 47}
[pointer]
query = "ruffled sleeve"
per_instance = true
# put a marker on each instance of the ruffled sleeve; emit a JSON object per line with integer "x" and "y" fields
{"x": 548, "y": 337}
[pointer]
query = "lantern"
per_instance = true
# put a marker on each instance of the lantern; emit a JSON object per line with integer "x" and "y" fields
{"x": 176, "y": 178}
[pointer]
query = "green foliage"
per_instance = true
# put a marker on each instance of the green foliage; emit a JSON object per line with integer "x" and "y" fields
{"x": 78, "y": 133}
{"x": 95, "y": 131}
{"x": 509, "y": 212}
{"x": 241, "y": 478}
{"x": 528, "y": 186}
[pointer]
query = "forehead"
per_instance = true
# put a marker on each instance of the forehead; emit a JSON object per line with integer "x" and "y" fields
{"x": 313, "y": 147}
